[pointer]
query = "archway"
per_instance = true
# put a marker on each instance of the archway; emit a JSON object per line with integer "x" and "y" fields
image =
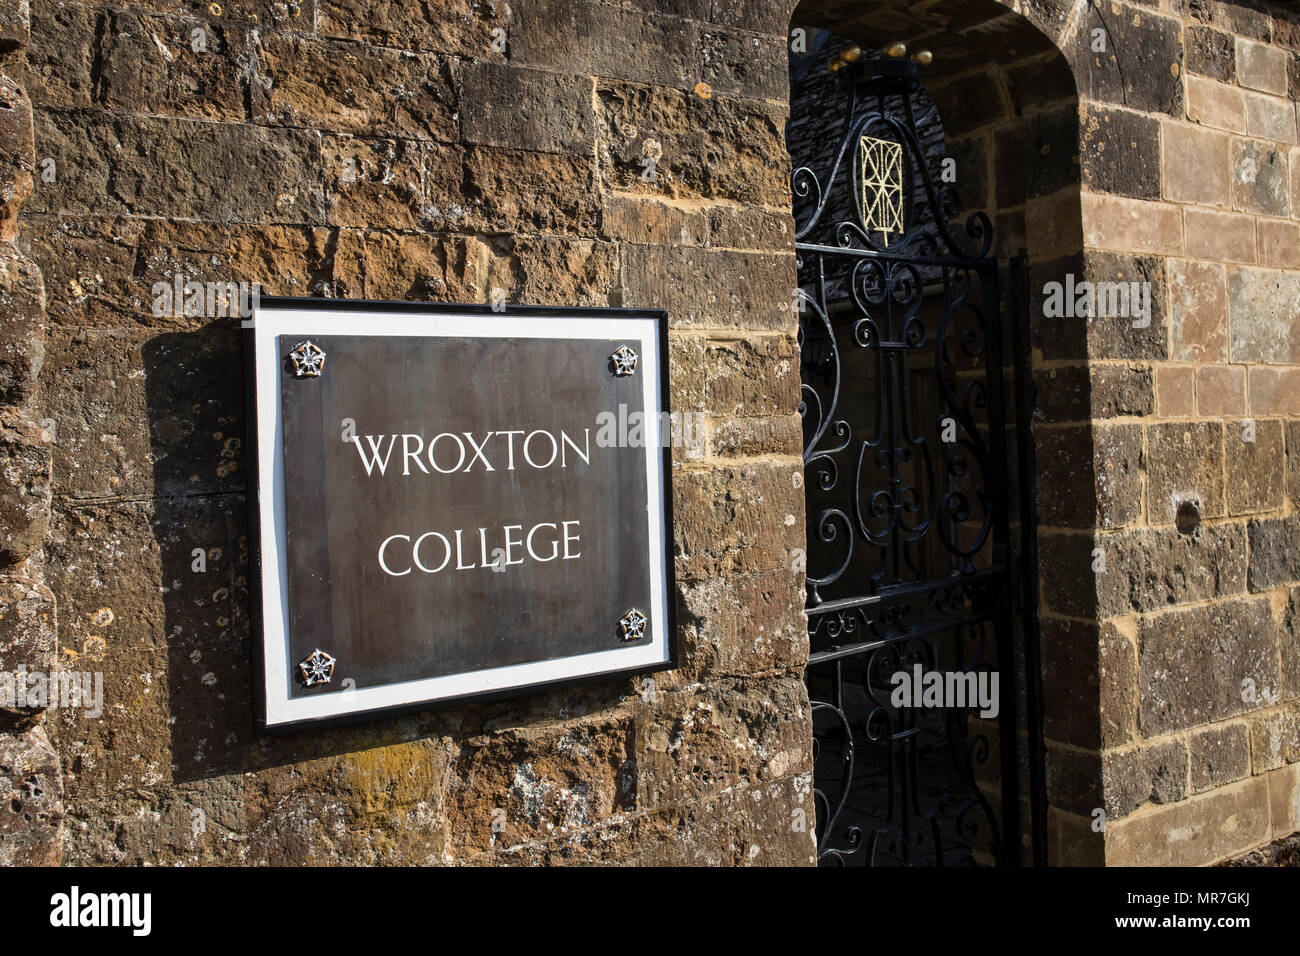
{"x": 934, "y": 149}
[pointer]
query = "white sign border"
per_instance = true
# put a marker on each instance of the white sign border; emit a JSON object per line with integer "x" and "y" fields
{"x": 268, "y": 323}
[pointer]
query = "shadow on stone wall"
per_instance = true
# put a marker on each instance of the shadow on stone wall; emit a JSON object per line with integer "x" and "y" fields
{"x": 339, "y": 774}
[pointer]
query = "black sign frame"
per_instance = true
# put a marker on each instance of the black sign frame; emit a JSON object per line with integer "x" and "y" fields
{"x": 260, "y": 497}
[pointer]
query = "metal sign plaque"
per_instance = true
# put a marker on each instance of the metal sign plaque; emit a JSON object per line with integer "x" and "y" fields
{"x": 450, "y": 504}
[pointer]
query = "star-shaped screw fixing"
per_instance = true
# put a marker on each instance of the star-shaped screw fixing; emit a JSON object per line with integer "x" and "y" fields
{"x": 308, "y": 360}
{"x": 623, "y": 360}
{"x": 632, "y": 625}
{"x": 318, "y": 668}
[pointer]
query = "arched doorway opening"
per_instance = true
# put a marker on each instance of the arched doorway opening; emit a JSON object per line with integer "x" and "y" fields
{"x": 919, "y": 209}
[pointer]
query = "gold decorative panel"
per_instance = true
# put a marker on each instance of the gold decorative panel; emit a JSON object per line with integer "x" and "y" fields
{"x": 881, "y": 164}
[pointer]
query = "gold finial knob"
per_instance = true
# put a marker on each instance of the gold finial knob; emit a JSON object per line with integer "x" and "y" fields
{"x": 897, "y": 50}
{"x": 834, "y": 65}
{"x": 851, "y": 54}
{"x": 924, "y": 57}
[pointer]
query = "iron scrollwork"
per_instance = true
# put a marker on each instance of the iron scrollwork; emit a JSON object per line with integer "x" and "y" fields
{"x": 906, "y": 479}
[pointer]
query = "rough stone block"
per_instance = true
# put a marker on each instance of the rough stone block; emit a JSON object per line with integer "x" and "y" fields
{"x": 1220, "y": 755}
{"x": 748, "y": 826}
{"x": 25, "y": 493}
{"x": 731, "y": 520}
{"x": 712, "y": 289}
{"x": 750, "y": 625}
{"x": 756, "y": 376}
{"x": 1284, "y": 800}
{"x": 1288, "y": 640}
{"x": 1198, "y": 311}
{"x": 15, "y": 20}
{"x": 374, "y": 181}
{"x": 1147, "y": 570}
{"x": 458, "y": 27}
{"x": 171, "y": 641}
{"x": 1274, "y": 557}
{"x": 1142, "y": 63}
{"x": 388, "y": 265}
{"x": 1261, "y": 67}
{"x": 1193, "y": 661}
{"x": 101, "y": 271}
{"x": 1270, "y": 117}
{"x": 1260, "y": 184}
{"x": 755, "y": 437}
{"x": 1090, "y": 675}
{"x": 1196, "y": 165}
{"x": 1254, "y": 467}
{"x": 552, "y": 271}
{"x": 1210, "y": 53}
{"x": 1274, "y": 391}
{"x": 61, "y": 61}
{"x": 1108, "y": 493}
{"x": 1279, "y": 244}
{"x": 31, "y": 805}
{"x": 1080, "y": 393}
{"x": 327, "y": 85}
{"x": 542, "y": 779}
{"x": 690, "y": 745}
{"x": 1184, "y": 467}
{"x": 1206, "y": 828}
{"x": 1050, "y": 163}
{"x": 509, "y": 191}
{"x": 744, "y": 64}
{"x": 149, "y": 64}
{"x": 1147, "y": 773}
{"x": 183, "y": 169}
{"x": 1226, "y": 237}
{"x": 27, "y": 624}
{"x": 1126, "y": 323}
{"x": 1221, "y": 392}
{"x": 599, "y": 40}
{"x": 1073, "y": 779}
{"x": 1131, "y": 225}
{"x": 1057, "y": 339}
{"x": 155, "y": 414}
{"x": 1275, "y": 737}
{"x": 22, "y": 331}
{"x": 526, "y": 109}
{"x": 1216, "y": 104}
{"x": 1264, "y": 313}
{"x": 649, "y": 220}
{"x": 1120, "y": 152}
{"x": 1054, "y": 224}
{"x": 1293, "y": 463}
{"x": 1175, "y": 391}
{"x": 719, "y": 148}
{"x": 199, "y": 822}
{"x": 1293, "y": 160}
{"x": 1069, "y": 585}
{"x": 16, "y": 154}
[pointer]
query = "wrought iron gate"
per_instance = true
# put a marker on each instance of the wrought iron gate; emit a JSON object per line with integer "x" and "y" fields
{"x": 906, "y": 476}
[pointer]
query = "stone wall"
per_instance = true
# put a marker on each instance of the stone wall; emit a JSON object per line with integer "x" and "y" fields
{"x": 1198, "y": 607}
{"x": 389, "y": 150}
{"x": 31, "y": 783}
